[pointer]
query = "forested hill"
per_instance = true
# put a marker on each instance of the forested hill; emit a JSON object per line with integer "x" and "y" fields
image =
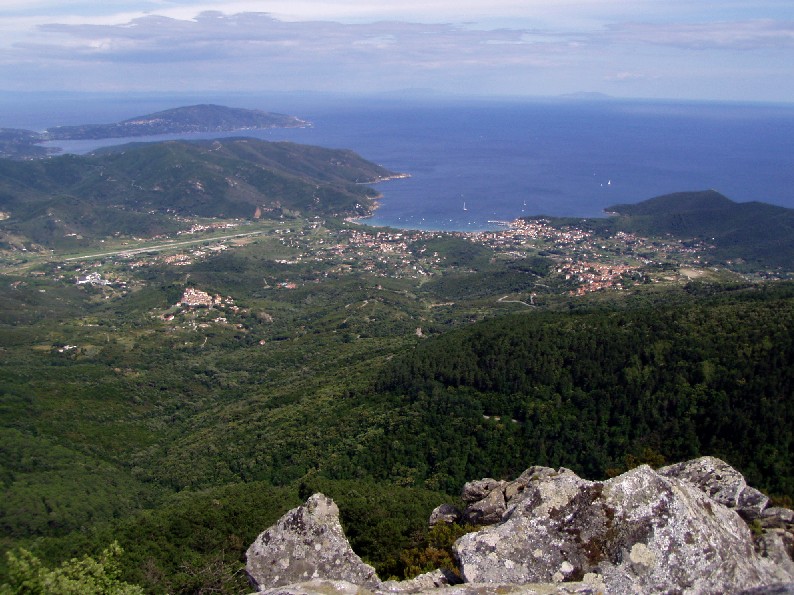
{"x": 193, "y": 118}
{"x": 136, "y": 189}
{"x": 19, "y": 144}
{"x": 752, "y": 231}
{"x": 583, "y": 390}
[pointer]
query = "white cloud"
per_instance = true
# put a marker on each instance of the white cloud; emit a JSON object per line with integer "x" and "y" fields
{"x": 625, "y": 76}
{"x": 261, "y": 36}
{"x": 303, "y": 10}
{"x": 744, "y": 35}
{"x": 255, "y": 50}
{"x": 523, "y": 46}
{"x": 558, "y": 14}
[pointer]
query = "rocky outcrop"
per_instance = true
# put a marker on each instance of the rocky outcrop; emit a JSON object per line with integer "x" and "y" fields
{"x": 428, "y": 581}
{"x": 307, "y": 543}
{"x": 721, "y": 483}
{"x": 446, "y": 513}
{"x": 778, "y": 589}
{"x": 678, "y": 530}
{"x": 327, "y": 587}
{"x": 640, "y": 532}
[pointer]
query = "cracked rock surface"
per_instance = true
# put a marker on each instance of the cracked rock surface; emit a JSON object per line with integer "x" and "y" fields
{"x": 639, "y": 532}
{"x": 681, "y": 529}
{"x": 306, "y": 543}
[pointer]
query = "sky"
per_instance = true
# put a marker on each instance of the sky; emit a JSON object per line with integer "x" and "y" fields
{"x": 672, "y": 49}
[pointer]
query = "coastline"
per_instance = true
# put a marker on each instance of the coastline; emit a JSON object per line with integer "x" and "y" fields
{"x": 376, "y": 199}
{"x": 370, "y": 212}
{"x": 398, "y": 176}
{"x": 380, "y": 179}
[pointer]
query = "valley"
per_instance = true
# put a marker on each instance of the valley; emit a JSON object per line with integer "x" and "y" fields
{"x": 175, "y": 380}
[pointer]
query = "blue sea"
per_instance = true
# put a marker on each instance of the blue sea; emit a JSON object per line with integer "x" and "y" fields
{"x": 475, "y": 162}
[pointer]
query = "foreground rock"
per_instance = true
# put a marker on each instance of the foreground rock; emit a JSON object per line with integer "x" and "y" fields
{"x": 640, "y": 532}
{"x": 307, "y": 543}
{"x": 549, "y": 531}
{"x": 328, "y": 587}
{"x": 531, "y": 589}
{"x": 722, "y": 483}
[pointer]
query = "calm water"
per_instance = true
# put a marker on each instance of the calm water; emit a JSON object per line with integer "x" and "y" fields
{"x": 472, "y": 163}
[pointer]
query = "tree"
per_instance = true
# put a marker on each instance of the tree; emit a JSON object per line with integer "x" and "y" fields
{"x": 84, "y": 576}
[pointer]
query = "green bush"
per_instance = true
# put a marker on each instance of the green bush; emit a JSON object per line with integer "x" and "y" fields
{"x": 83, "y": 576}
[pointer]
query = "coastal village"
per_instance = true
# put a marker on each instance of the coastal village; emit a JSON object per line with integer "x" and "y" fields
{"x": 583, "y": 261}
{"x": 303, "y": 253}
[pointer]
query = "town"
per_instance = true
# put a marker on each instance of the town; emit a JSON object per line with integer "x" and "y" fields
{"x": 584, "y": 260}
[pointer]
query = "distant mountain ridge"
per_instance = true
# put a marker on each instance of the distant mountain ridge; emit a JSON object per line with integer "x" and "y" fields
{"x": 751, "y": 231}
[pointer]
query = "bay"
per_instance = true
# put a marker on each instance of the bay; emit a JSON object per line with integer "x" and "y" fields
{"x": 475, "y": 162}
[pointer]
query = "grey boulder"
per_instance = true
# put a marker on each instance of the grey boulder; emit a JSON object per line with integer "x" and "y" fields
{"x": 306, "y": 544}
{"x": 640, "y": 532}
{"x": 721, "y": 482}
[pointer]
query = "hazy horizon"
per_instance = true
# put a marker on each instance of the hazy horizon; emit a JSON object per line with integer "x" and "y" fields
{"x": 38, "y": 110}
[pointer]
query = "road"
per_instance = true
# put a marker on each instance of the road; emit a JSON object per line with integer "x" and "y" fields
{"x": 506, "y": 301}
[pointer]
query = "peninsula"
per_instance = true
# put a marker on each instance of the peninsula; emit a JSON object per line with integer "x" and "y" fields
{"x": 26, "y": 144}
{"x": 189, "y": 119}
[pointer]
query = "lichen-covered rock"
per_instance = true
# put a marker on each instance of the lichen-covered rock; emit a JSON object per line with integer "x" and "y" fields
{"x": 721, "y": 482}
{"x": 327, "y": 587}
{"x": 551, "y": 532}
{"x": 776, "y": 516}
{"x": 514, "y": 488}
{"x": 777, "y": 546}
{"x": 488, "y": 510}
{"x": 777, "y": 589}
{"x": 489, "y": 500}
{"x": 640, "y": 532}
{"x": 446, "y": 513}
{"x": 423, "y": 583}
{"x": 318, "y": 587}
{"x": 474, "y": 491}
{"x": 306, "y": 543}
{"x": 532, "y": 589}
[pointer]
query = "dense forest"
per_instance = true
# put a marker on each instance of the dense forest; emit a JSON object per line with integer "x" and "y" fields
{"x": 183, "y": 455}
{"x": 587, "y": 389}
{"x": 70, "y": 201}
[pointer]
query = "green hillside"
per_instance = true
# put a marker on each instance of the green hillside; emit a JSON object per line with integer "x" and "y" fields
{"x": 182, "y": 438}
{"x": 140, "y": 189}
{"x": 19, "y": 144}
{"x": 759, "y": 233}
{"x": 584, "y": 390}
